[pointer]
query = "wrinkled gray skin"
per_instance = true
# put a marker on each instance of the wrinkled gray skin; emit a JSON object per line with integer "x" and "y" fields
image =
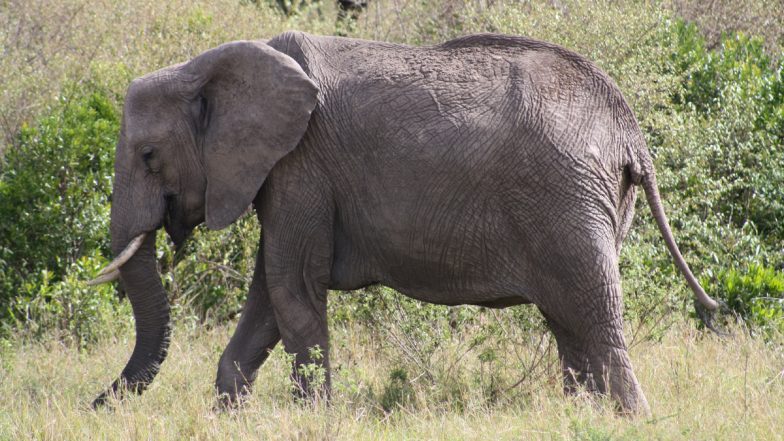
{"x": 490, "y": 170}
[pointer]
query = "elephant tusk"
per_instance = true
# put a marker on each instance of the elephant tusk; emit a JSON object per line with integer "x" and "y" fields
{"x": 125, "y": 256}
{"x": 105, "y": 278}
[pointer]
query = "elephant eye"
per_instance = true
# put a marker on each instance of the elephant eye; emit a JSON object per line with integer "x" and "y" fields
{"x": 148, "y": 154}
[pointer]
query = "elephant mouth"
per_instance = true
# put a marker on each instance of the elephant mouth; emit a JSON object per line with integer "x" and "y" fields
{"x": 175, "y": 224}
{"x": 176, "y": 228}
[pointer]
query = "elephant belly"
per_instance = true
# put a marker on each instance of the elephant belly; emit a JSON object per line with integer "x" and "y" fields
{"x": 465, "y": 264}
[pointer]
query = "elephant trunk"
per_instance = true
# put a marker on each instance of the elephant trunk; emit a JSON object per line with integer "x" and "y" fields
{"x": 153, "y": 328}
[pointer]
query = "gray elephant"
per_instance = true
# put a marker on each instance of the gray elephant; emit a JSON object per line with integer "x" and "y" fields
{"x": 489, "y": 170}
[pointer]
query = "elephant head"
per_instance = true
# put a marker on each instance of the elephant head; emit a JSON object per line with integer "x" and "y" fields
{"x": 198, "y": 140}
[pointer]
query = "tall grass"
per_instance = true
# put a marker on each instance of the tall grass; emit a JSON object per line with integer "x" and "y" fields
{"x": 699, "y": 387}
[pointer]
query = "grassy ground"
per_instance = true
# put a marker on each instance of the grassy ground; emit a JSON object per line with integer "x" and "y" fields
{"x": 699, "y": 387}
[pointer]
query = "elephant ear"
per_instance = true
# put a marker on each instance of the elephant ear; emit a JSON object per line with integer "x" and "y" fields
{"x": 252, "y": 106}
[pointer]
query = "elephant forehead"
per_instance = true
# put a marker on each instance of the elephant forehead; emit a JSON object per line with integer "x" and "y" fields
{"x": 149, "y": 114}
{"x": 162, "y": 80}
{"x": 148, "y": 125}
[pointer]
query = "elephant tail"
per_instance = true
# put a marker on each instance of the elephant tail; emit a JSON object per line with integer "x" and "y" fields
{"x": 648, "y": 181}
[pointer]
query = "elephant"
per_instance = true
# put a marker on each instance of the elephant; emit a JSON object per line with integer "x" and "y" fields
{"x": 489, "y": 170}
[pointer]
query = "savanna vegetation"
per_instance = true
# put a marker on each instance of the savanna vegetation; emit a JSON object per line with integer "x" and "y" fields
{"x": 705, "y": 81}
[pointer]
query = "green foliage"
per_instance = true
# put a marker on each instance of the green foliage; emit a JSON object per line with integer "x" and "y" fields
{"x": 738, "y": 95}
{"x": 720, "y": 167}
{"x": 54, "y": 193}
{"x": 78, "y": 313}
{"x": 397, "y": 391}
{"x": 755, "y": 294}
{"x": 210, "y": 281}
{"x": 314, "y": 372}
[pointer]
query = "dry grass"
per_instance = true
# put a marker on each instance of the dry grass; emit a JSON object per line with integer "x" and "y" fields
{"x": 699, "y": 387}
{"x": 45, "y": 44}
{"x": 718, "y": 17}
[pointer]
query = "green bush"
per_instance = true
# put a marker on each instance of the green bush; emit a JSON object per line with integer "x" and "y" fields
{"x": 720, "y": 169}
{"x": 738, "y": 94}
{"x": 739, "y": 68}
{"x": 54, "y": 192}
{"x": 397, "y": 392}
{"x": 755, "y": 294}
{"x": 77, "y": 313}
{"x": 210, "y": 281}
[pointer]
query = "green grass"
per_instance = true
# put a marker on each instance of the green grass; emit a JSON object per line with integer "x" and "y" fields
{"x": 699, "y": 387}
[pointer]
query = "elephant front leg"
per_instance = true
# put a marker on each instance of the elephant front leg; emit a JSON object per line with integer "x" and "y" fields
{"x": 303, "y": 326}
{"x": 298, "y": 284}
{"x": 256, "y": 335}
{"x": 298, "y": 215}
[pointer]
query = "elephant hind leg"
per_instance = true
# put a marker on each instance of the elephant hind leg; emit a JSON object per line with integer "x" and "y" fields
{"x": 593, "y": 350}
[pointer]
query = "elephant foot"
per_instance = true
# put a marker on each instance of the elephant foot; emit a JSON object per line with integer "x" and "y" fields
{"x": 227, "y": 403}
{"x": 625, "y": 390}
{"x": 231, "y": 394}
{"x": 117, "y": 392}
{"x": 620, "y": 385}
{"x": 103, "y": 401}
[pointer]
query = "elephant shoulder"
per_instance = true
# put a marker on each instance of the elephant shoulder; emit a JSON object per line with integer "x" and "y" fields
{"x": 291, "y": 43}
{"x": 284, "y": 40}
{"x": 320, "y": 55}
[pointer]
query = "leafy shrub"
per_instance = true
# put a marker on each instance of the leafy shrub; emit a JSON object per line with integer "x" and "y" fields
{"x": 738, "y": 94}
{"x": 314, "y": 373}
{"x": 77, "y": 313}
{"x": 721, "y": 170}
{"x": 397, "y": 392}
{"x": 211, "y": 279}
{"x": 755, "y": 294}
{"x": 740, "y": 63}
{"x": 716, "y": 18}
{"x": 54, "y": 192}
